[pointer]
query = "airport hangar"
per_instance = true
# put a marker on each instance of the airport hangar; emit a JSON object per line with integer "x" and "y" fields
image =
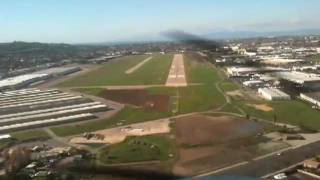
{"x": 34, "y": 108}
{"x": 305, "y": 86}
{"x": 22, "y": 81}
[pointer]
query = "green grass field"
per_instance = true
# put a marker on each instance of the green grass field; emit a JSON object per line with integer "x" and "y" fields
{"x": 229, "y": 86}
{"x": 192, "y": 98}
{"x": 30, "y": 135}
{"x": 189, "y": 99}
{"x": 135, "y": 149}
{"x": 154, "y": 71}
{"x": 293, "y": 112}
{"x": 203, "y": 97}
{"x": 231, "y": 108}
{"x": 24, "y": 136}
{"x": 200, "y": 72}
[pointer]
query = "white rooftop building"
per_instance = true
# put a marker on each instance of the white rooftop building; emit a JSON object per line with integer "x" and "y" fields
{"x": 253, "y": 83}
{"x": 299, "y": 77}
{"x": 58, "y": 71}
{"x": 26, "y": 79}
{"x": 273, "y": 94}
{"x": 304, "y": 68}
{"x": 22, "y": 80}
{"x": 279, "y": 60}
{"x": 265, "y": 49}
{"x": 243, "y": 71}
{"x": 313, "y": 98}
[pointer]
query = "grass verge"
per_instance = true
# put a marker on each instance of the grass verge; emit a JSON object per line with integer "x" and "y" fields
{"x": 137, "y": 149}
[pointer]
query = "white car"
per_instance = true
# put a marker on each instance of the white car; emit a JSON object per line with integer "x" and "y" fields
{"x": 280, "y": 176}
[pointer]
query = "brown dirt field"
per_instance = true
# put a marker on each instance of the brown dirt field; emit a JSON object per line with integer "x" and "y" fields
{"x": 205, "y": 130}
{"x": 193, "y": 161}
{"x": 119, "y": 134}
{"x": 209, "y": 143}
{"x": 261, "y": 107}
{"x": 138, "y": 97}
{"x": 235, "y": 93}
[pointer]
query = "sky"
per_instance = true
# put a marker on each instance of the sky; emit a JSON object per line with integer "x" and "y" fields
{"x": 84, "y": 21}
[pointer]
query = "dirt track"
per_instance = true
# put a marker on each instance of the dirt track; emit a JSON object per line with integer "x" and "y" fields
{"x": 119, "y": 134}
{"x": 177, "y": 76}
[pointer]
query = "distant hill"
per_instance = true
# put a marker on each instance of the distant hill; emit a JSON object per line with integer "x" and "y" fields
{"x": 34, "y": 48}
{"x": 253, "y": 34}
{"x": 18, "y": 54}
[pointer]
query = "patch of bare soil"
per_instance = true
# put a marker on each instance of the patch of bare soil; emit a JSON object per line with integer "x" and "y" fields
{"x": 204, "y": 130}
{"x": 138, "y": 97}
{"x": 209, "y": 143}
{"x": 261, "y": 107}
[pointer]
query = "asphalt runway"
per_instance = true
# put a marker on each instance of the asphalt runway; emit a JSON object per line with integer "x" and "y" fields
{"x": 177, "y": 76}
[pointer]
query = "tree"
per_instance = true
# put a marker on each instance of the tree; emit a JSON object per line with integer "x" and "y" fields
{"x": 274, "y": 119}
{"x": 248, "y": 116}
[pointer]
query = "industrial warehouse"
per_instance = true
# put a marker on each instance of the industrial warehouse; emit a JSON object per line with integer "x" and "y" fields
{"x": 32, "y": 108}
{"x": 25, "y": 80}
{"x": 312, "y": 97}
{"x": 273, "y": 94}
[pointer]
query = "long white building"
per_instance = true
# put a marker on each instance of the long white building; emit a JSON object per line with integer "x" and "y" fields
{"x": 273, "y": 94}
{"x": 244, "y": 71}
{"x": 32, "y": 108}
{"x": 313, "y": 98}
{"x": 21, "y": 81}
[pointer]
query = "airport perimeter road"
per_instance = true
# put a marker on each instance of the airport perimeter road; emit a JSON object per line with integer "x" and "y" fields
{"x": 274, "y": 163}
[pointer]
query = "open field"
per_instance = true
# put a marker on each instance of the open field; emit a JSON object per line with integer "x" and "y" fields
{"x": 199, "y": 98}
{"x": 119, "y": 134}
{"x": 300, "y": 113}
{"x": 202, "y": 97}
{"x": 214, "y": 142}
{"x": 30, "y": 135}
{"x": 24, "y": 136}
{"x": 229, "y": 86}
{"x": 213, "y": 130}
{"x": 139, "y": 98}
{"x": 156, "y": 102}
{"x": 200, "y": 71}
{"x": 135, "y": 149}
{"x": 154, "y": 71}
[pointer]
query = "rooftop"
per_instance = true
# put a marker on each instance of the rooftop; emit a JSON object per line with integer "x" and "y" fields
{"x": 314, "y": 95}
{"x": 55, "y": 70}
{"x": 274, "y": 92}
{"x": 298, "y": 77}
{"x": 19, "y": 79}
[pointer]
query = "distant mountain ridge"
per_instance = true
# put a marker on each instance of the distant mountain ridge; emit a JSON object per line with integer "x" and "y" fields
{"x": 253, "y": 34}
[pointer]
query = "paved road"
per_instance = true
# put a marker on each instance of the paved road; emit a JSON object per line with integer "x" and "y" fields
{"x": 262, "y": 167}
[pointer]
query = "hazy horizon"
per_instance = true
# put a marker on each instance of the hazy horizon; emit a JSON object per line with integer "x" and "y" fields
{"x": 80, "y": 21}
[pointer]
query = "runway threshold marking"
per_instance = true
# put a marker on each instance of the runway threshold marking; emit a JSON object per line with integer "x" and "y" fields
{"x": 177, "y": 75}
